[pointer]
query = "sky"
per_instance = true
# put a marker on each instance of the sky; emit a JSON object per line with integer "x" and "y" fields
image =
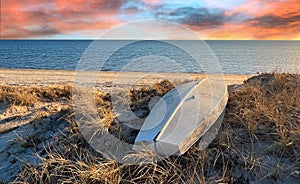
{"x": 210, "y": 19}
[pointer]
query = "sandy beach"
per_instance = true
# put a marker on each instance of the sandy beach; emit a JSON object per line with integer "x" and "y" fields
{"x": 45, "y": 77}
{"x": 40, "y": 139}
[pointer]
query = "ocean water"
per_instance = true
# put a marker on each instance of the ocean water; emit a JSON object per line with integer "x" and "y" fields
{"x": 232, "y": 57}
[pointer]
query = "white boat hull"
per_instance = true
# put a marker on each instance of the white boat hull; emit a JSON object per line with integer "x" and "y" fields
{"x": 181, "y": 117}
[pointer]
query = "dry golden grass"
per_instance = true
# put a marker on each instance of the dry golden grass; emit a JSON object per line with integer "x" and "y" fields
{"x": 140, "y": 97}
{"x": 259, "y": 141}
{"x": 268, "y": 107}
{"x": 19, "y": 95}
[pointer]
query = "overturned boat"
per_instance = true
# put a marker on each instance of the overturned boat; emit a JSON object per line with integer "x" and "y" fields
{"x": 182, "y": 116}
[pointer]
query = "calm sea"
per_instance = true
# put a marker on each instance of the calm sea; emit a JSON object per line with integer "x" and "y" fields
{"x": 234, "y": 57}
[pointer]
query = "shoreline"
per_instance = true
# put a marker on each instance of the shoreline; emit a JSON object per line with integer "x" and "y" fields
{"x": 26, "y": 77}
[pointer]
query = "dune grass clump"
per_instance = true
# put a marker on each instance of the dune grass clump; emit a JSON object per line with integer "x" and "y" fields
{"x": 140, "y": 97}
{"x": 70, "y": 160}
{"x": 19, "y": 95}
{"x": 268, "y": 107}
{"x": 259, "y": 141}
{"x": 259, "y": 138}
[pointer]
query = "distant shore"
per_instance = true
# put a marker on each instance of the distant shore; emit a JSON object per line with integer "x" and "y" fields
{"x": 26, "y": 77}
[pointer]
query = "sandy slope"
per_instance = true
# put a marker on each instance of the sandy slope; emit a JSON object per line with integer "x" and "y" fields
{"x": 22, "y": 126}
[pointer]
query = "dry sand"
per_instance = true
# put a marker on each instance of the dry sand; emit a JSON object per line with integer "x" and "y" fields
{"x": 106, "y": 78}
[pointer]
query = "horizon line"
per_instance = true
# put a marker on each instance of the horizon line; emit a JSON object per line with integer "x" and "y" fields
{"x": 111, "y": 39}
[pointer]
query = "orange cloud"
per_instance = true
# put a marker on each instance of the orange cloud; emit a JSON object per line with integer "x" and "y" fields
{"x": 21, "y": 19}
{"x": 277, "y": 20}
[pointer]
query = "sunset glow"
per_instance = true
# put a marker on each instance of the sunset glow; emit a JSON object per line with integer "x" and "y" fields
{"x": 211, "y": 19}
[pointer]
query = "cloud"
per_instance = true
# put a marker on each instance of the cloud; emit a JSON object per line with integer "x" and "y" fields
{"x": 134, "y": 8}
{"x": 23, "y": 19}
{"x": 199, "y": 17}
{"x": 264, "y": 19}
{"x": 273, "y": 21}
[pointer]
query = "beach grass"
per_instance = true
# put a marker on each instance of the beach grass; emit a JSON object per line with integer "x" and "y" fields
{"x": 259, "y": 140}
{"x": 20, "y": 95}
